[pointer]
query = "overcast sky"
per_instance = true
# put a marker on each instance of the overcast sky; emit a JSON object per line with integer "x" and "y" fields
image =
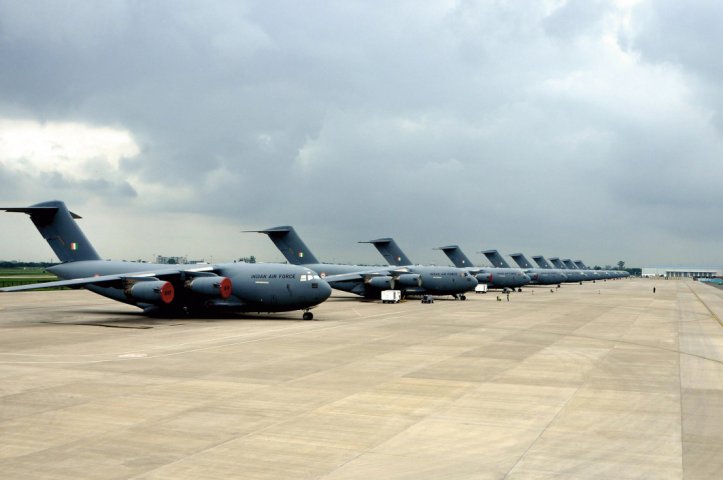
{"x": 580, "y": 128}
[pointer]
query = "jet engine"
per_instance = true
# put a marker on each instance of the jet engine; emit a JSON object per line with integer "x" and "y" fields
{"x": 409, "y": 280}
{"x": 212, "y": 286}
{"x": 484, "y": 277}
{"x": 383, "y": 282}
{"x": 157, "y": 292}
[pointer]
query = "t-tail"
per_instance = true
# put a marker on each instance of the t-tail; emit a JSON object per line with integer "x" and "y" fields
{"x": 581, "y": 265}
{"x": 521, "y": 260}
{"x": 390, "y": 251}
{"x": 495, "y": 258}
{"x": 540, "y": 260}
{"x": 290, "y": 245}
{"x": 568, "y": 263}
{"x": 455, "y": 254}
{"x": 558, "y": 263}
{"x": 58, "y": 227}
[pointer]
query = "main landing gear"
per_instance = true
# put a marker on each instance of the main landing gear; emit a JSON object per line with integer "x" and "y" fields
{"x": 308, "y": 315}
{"x": 462, "y": 297}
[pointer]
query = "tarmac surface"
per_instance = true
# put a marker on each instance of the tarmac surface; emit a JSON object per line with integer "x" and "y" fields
{"x": 594, "y": 381}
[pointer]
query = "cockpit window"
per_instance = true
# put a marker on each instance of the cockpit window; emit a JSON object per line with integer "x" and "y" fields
{"x": 307, "y": 277}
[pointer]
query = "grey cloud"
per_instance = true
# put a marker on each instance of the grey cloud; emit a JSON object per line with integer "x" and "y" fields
{"x": 465, "y": 124}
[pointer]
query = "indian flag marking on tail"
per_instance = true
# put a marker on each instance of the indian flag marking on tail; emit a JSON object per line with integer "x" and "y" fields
{"x": 74, "y": 246}
{"x": 301, "y": 254}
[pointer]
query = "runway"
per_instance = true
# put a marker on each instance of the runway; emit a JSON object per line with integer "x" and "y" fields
{"x": 593, "y": 381}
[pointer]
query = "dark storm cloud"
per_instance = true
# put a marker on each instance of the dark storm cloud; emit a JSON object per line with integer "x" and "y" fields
{"x": 489, "y": 124}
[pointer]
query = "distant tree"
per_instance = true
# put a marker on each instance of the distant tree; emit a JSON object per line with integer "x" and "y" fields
{"x": 172, "y": 261}
{"x": 250, "y": 259}
{"x": 597, "y": 267}
{"x": 621, "y": 265}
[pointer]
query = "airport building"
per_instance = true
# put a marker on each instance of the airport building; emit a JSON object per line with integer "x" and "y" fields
{"x": 683, "y": 272}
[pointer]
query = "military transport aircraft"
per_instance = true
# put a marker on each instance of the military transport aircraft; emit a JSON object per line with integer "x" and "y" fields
{"x": 171, "y": 289}
{"x": 538, "y": 275}
{"x": 367, "y": 282}
{"x": 575, "y": 275}
{"x": 494, "y": 277}
{"x": 435, "y": 280}
{"x": 608, "y": 274}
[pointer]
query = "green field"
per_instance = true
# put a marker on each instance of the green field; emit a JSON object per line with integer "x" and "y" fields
{"x": 10, "y": 277}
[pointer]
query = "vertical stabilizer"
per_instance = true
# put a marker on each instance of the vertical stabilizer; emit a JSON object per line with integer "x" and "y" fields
{"x": 558, "y": 263}
{"x": 390, "y": 251}
{"x": 568, "y": 263}
{"x": 455, "y": 254}
{"x": 580, "y": 265}
{"x": 58, "y": 227}
{"x": 540, "y": 260}
{"x": 290, "y": 245}
{"x": 495, "y": 258}
{"x": 521, "y": 260}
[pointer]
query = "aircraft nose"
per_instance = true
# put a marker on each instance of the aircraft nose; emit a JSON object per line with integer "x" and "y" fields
{"x": 324, "y": 289}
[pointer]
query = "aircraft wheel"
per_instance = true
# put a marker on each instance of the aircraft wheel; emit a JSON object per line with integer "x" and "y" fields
{"x": 519, "y": 290}
{"x": 463, "y": 297}
{"x": 308, "y": 316}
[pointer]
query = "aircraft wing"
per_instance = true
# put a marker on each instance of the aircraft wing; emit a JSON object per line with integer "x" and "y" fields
{"x": 101, "y": 279}
{"x": 76, "y": 282}
{"x": 360, "y": 275}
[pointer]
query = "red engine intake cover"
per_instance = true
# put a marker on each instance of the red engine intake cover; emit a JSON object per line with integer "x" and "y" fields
{"x": 167, "y": 293}
{"x": 225, "y": 288}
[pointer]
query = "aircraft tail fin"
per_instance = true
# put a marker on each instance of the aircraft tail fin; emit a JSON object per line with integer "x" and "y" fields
{"x": 540, "y": 261}
{"x": 521, "y": 260}
{"x": 58, "y": 227}
{"x": 455, "y": 254}
{"x": 558, "y": 263}
{"x": 568, "y": 263}
{"x": 495, "y": 258}
{"x": 290, "y": 245}
{"x": 390, "y": 251}
{"x": 580, "y": 265}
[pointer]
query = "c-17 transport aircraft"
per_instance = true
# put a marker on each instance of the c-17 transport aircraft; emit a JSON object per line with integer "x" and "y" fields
{"x": 436, "y": 280}
{"x": 367, "y": 282}
{"x": 608, "y": 274}
{"x": 538, "y": 275}
{"x": 494, "y": 277}
{"x": 168, "y": 289}
{"x": 573, "y": 273}
{"x": 522, "y": 261}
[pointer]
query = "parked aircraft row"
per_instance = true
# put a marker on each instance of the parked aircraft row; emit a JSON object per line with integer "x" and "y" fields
{"x": 301, "y": 284}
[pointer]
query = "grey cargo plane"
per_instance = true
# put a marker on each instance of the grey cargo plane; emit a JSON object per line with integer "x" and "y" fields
{"x": 494, "y": 277}
{"x": 435, "y": 280}
{"x": 538, "y": 275}
{"x": 367, "y": 282}
{"x": 168, "y": 289}
{"x": 606, "y": 273}
{"x": 574, "y": 275}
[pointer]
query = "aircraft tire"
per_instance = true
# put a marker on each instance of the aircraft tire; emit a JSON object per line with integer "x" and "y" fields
{"x": 308, "y": 316}
{"x": 463, "y": 297}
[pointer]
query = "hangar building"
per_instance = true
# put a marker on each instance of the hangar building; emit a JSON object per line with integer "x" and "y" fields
{"x": 682, "y": 272}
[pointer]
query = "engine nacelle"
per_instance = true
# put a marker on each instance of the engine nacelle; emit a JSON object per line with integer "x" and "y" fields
{"x": 212, "y": 286}
{"x": 383, "y": 282}
{"x": 156, "y": 292}
{"x": 409, "y": 280}
{"x": 484, "y": 277}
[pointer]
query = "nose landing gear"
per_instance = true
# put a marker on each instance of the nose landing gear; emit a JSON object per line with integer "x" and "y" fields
{"x": 308, "y": 315}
